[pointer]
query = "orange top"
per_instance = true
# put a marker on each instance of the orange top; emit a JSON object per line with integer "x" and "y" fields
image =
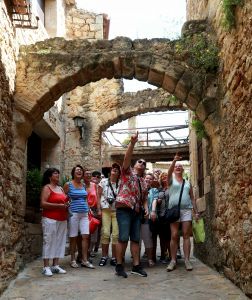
{"x": 92, "y": 195}
{"x": 58, "y": 214}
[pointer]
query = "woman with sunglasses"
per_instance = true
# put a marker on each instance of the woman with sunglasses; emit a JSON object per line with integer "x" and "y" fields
{"x": 78, "y": 220}
{"x": 107, "y": 192}
{"x": 131, "y": 198}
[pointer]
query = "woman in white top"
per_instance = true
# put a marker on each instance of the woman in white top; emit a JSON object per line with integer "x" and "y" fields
{"x": 175, "y": 180}
{"x": 107, "y": 192}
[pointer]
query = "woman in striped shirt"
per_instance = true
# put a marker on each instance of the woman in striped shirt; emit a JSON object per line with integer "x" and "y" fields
{"x": 78, "y": 221}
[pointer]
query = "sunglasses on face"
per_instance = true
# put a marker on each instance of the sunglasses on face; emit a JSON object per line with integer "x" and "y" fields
{"x": 142, "y": 162}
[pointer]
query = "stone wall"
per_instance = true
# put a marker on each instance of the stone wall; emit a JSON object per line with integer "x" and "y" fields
{"x": 83, "y": 24}
{"x": 15, "y": 244}
{"x": 103, "y": 105}
{"x": 229, "y": 218}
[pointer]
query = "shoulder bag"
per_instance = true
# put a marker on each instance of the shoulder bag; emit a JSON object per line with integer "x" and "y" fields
{"x": 173, "y": 214}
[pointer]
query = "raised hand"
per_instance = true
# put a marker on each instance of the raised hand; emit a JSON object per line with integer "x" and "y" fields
{"x": 134, "y": 138}
{"x": 177, "y": 157}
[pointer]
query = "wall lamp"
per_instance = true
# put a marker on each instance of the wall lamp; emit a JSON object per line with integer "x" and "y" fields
{"x": 79, "y": 122}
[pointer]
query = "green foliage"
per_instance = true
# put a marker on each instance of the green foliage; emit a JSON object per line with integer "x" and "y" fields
{"x": 126, "y": 141}
{"x": 33, "y": 187}
{"x": 201, "y": 52}
{"x": 229, "y": 6}
{"x": 65, "y": 179}
{"x": 173, "y": 100}
{"x": 199, "y": 129}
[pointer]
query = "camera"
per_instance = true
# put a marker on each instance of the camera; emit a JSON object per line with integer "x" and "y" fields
{"x": 110, "y": 200}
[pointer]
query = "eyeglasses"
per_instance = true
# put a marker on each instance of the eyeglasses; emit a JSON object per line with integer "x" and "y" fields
{"x": 97, "y": 176}
{"x": 142, "y": 162}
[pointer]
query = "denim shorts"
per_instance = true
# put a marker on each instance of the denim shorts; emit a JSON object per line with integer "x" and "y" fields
{"x": 129, "y": 224}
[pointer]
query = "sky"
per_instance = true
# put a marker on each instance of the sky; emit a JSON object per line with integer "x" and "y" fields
{"x": 138, "y": 19}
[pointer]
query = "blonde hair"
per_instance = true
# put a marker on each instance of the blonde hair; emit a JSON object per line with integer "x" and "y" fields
{"x": 161, "y": 177}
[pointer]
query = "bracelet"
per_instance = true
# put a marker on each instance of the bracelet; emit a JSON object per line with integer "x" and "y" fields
{"x": 153, "y": 211}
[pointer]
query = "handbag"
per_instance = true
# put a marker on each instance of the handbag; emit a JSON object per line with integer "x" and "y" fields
{"x": 198, "y": 231}
{"x": 173, "y": 214}
{"x": 93, "y": 222}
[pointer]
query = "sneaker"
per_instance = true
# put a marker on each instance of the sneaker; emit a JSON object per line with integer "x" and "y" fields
{"x": 138, "y": 270}
{"x": 58, "y": 270}
{"x": 47, "y": 271}
{"x": 171, "y": 266}
{"x": 188, "y": 265}
{"x": 87, "y": 264}
{"x": 120, "y": 271}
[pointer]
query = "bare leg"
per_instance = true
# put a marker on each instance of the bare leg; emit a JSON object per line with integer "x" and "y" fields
{"x": 46, "y": 262}
{"x": 120, "y": 251}
{"x": 79, "y": 247}
{"x": 186, "y": 229}
{"x": 73, "y": 247}
{"x": 135, "y": 250}
{"x": 114, "y": 250}
{"x": 174, "y": 240}
{"x": 105, "y": 249}
{"x": 85, "y": 244}
{"x": 56, "y": 261}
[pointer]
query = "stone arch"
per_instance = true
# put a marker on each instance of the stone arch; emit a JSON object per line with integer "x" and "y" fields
{"x": 58, "y": 66}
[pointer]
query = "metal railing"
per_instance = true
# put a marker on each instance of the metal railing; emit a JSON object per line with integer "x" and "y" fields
{"x": 161, "y": 136}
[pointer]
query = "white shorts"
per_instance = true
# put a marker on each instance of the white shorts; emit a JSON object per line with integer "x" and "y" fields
{"x": 54, "y": 238}
{"x": 185, "y": 215}
{"x": 78, "y": 222}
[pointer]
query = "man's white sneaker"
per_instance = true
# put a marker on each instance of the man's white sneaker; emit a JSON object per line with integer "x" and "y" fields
{"x": 58, "y": 270}
{"x": 47, "y": 271}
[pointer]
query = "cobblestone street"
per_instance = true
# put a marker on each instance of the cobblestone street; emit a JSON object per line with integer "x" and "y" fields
{"x": 202, "y": 283}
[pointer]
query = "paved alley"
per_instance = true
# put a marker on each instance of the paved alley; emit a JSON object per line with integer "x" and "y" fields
{"x": 101, "y": 283}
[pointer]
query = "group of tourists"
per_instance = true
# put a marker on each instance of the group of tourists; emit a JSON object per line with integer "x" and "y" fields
{"x": 130, "y": 204}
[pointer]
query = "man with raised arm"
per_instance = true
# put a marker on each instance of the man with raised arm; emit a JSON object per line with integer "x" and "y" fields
{"x": 130, "y": 202}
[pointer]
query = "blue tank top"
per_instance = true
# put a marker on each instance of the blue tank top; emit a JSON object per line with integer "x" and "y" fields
{"x": 78, "y": 197}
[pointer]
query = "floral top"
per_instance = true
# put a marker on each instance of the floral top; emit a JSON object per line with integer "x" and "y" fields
{"x": 129, "y": 192}
{"x": 107, "y": 193}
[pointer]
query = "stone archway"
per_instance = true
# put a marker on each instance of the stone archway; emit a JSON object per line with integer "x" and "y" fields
{"x": 48, "y": 69}
{"x": 53, "y": 67}
{"x": 101, "y": 111}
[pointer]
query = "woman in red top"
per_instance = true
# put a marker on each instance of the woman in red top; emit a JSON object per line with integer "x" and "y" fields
{"x": 54, "y": 203}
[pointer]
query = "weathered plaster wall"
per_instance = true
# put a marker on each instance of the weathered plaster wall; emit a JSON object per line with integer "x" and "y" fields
{"x": 229, "y": 208}
{"x": 15, "y": 245}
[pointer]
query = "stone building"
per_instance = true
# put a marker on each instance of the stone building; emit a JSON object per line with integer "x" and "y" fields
{"x": 35, "y": 76}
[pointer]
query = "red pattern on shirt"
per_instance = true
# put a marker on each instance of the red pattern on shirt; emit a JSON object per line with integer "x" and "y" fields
{"x": 129, "y": 193}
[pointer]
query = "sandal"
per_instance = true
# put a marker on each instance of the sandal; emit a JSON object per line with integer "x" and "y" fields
{"x": 73, "y": 264}
{"x": 103, "y": 261}
{"x": 113, "y": 261}
{"x": 151, "y": 263}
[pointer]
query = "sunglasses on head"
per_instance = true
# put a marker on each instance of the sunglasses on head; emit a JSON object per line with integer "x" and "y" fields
{"x": 142, "y": 162}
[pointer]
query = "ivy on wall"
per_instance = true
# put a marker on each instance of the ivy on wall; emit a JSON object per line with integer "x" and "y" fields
{"x": 202, "y": 53}
{"x": 199, "y": 128}
{"x": 229, "y": 6}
